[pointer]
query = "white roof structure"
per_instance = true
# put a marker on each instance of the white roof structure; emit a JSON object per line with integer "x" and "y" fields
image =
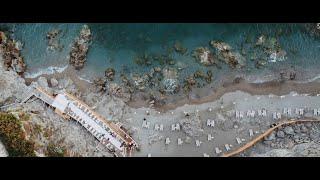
{"x": 60, "y": 102}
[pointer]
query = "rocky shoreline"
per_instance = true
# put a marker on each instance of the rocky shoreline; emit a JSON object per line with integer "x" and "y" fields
{"x": 114, "y": 100}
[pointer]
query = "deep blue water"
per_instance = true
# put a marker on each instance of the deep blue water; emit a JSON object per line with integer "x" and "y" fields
{"x": 115, "y": 45}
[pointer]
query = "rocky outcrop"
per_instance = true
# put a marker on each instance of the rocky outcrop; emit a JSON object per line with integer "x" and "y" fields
{"x": 80, "y": 48}
{"x": 140, "y": 82}
{"x": 226, "y": 53}
{"x": 10, "y": 52}
{"x": 12, "y": 86}
{"x": 313, "y": 29}
{"x": 271, "y": 48}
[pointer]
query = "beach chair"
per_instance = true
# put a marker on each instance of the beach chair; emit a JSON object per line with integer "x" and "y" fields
{"x": 238, "y": 140}
{"x": 167, "y": 142}
{"x": 210, "y": 123}
{"x": 205, "y": 155}
{"x": 227, "y": 147}
{"x": 156, "y": 127}
{"x": 161, "y": 127}
{"x": 250, "y": 132}
{"x": 210, "y": 137}
{"x": 218, "y": 151}
{"x": 301, "y": 111}
{"x": 173, "y": 127}
{"x": 198, "y": 143}
{"x": 178, "y": 127}
{"x": 146, "y": 124}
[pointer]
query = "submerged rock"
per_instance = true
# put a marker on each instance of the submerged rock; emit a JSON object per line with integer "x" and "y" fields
{"x": 169, "y": 73}
{"x": 261, "y": 40}
{"x": 313, "y": 29}
{"x": 109, "y": 74}
{"x": 277, "y": 55}
{"x": 170, "y": 82}
{"x": 100, "y": 84}
{"x": 53, "y": 40}
{"x": 80, "y": 48}
{"x": 171, "y": 85}
{"x": 271, "y": 48}
{"x": 179, "y": 48}
{"x": 189, "y": 82}
{"x": 204, "y": 56}
{"x": 220, "y": 46}
{"x": 140, "y": 82}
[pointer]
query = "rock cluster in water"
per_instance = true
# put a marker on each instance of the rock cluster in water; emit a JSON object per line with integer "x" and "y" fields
{"x": 178, "y": 47}
{"x": 163, "y": 73}
{"x": 226, "y": 54}
{"x": 53, "y": 40}
{"x": 10, "y": 50}
{"x": 204, "y": 56}
{"x": 170, "y": 82}
{"x": 80, "y": 48}
{"x": 313, "y": 29}
{"x": 118, "y": 91}
{"x": 271, "y": 48}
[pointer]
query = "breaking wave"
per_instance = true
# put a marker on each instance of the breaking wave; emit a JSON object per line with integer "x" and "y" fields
{"x": 49, "y": 70}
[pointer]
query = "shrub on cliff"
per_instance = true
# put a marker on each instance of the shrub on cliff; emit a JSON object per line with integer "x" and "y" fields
{"x": 13, "y": 137}
{"x": 54, "y": 150}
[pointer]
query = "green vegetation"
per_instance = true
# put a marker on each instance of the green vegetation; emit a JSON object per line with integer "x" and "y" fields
{"x": 13, "y": 137}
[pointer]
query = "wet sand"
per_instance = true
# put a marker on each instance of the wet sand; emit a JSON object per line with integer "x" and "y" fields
{"x": 205, "y": 95}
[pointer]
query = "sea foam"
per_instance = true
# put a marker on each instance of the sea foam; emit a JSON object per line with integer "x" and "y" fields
{"x": 49, "y": 70}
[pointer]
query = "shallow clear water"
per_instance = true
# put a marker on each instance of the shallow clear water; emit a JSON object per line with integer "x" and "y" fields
{"x": 116, "y": 45}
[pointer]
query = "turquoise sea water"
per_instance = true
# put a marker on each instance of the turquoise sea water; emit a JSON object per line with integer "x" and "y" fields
{"x": 116, "y": 45}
